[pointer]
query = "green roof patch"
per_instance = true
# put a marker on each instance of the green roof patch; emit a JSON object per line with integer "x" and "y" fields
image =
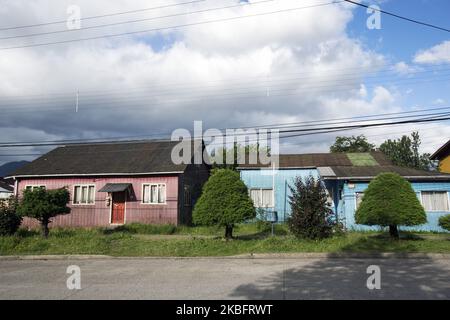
{"x": 362, "y": 159}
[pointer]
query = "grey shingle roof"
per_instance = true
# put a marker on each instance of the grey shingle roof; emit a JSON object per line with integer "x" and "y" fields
{"x": 361, "y": 172}
{"x": 105, "y": 158}
{"x": 313, "y": 160}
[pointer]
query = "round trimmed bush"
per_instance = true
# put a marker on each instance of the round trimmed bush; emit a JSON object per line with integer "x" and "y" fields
{"x": 390, "y": 201}
{"x": 224, "y": 202}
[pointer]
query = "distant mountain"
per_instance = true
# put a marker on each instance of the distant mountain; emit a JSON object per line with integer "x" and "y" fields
{"x": 9, "y": 167}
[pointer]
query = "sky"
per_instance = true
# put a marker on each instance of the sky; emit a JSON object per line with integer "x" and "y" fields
{"x": 287, "y": 61}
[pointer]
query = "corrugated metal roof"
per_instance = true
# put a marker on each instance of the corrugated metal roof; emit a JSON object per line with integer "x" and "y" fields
{"x": 5, "y": 186}
{"x": 115, "y": 187}
{"x": 326, "y": 172}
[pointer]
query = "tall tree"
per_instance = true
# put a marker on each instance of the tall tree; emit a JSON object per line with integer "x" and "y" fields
{"x": 224, "y": 202}
{"x": 221, "y": 155}
{"x": 405, "y": 152}
{"x": 42, "y": 204}
{"x": 352, "y": 144}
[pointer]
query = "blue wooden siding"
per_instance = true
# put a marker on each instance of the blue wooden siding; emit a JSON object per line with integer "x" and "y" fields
{"x": 343, "y": 195}
{"x": 283, "y": 178}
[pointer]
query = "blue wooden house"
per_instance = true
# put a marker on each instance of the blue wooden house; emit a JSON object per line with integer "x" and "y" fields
{"x": 345, "y": 176}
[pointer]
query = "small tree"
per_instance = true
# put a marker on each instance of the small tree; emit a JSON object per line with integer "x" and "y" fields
{"x": 352, "y": 144}
{"x": 311, "y": 215}
{"x": 444, "y": 222}
{"x": 224, "y": 202}
{"x": 9, "y": 219}
{"x": 390, "y": 201}
{"x": 42, "y": 204}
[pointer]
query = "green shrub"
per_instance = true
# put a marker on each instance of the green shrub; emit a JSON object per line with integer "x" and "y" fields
{"x": 42, "y": 205}
{"x": 390, "y": 201}
{"x": 311, "y": 215}
{"x": 444, "y": 222}
{"x": 224, "y": 202}
{"x": 9, "y": 219}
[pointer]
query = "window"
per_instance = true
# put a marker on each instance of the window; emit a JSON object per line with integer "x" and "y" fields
{"x": 33, "y": 187}
{"x": 84, "y": 194}
{"x": 359, "y": 196}
{"x": 154, "y": 193}
{"x": 262, "y": 198}
{"x": 435, "y": 200}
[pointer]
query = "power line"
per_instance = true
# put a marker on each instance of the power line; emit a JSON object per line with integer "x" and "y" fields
{"x": 235, "y": 81}
{"x": 399, "y": 17}
{"x": 297, "y": 143}
{"x": 299, "y": 132}
{"x": 148, "y": 102}
{"x": 267, "y": 126}
{"x": 169, "y": 27}
{"x": 100, "y": 16}
{"x": 137, "y": 20}
{"x": 262, "y": 83}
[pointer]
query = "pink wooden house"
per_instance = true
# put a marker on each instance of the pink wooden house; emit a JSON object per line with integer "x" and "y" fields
{"x": 117, "y": 183}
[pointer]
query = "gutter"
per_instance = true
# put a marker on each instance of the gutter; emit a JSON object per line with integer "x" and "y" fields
{"x": 406, "y": 177}
{"x": 92, "y": 174}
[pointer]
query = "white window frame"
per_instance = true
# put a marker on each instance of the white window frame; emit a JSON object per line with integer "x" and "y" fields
{"x": 150, "y": 184}
{"x": 32, "y": 186}
{"x": 443, "y": 191}
{"x": 261, "y": 190}
{"x": 83, "y": 185}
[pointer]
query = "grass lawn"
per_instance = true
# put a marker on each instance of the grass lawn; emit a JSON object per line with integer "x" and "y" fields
{"x": 167, "y": 240}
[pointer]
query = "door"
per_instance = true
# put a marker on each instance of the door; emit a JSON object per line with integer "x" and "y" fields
{"x": 118, "y": 208}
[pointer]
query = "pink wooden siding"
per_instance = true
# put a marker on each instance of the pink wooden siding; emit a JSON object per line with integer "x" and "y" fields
{"x": 98, "y": 214}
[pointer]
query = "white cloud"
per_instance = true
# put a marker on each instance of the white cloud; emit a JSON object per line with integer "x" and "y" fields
{"x": 437, "y": 54}
{"x": 439, "y": 101}
{"x": 284, "y": 67}
{"x": 402, "y": 68}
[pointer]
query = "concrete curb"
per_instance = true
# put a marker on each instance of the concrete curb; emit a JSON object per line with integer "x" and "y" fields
{"x": 303, "y": 255}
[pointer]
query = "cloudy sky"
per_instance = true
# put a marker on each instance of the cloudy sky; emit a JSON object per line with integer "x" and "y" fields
{"x": 285, "y": 61}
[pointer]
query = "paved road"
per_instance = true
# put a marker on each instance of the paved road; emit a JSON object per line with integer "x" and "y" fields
{"x": 315, "y": 278}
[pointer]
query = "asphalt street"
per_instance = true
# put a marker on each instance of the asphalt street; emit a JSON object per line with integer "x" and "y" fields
{"x": 213, "y": 278}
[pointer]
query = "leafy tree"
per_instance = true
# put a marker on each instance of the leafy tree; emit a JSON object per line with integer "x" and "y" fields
{"x": 311, "y": 215}
{"x": 405, "y": 152}
{"x": 390, "y": 201}
{"x": 9, "y": 219}
{"x": 224, "y": 202}
{"x": 444, "y": 222}
{"x": 221, "y": 155}
{"x": 42, "y": 204}
{"x": 352, "y": 144}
